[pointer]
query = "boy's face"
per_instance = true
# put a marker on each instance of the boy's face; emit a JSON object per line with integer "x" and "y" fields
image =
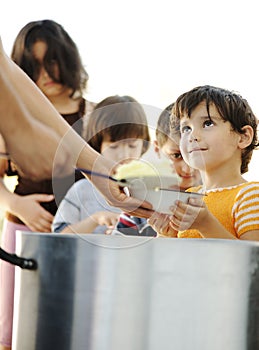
{"x": 209, "y": 143}
{"x": 189, "y": 177}
{"x": 122, "y": 151}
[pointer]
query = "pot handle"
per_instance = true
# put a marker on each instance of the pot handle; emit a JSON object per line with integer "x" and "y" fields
{"x": 28, "y": 264}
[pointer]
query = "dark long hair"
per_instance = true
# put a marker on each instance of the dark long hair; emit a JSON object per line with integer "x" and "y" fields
{"x": 61, "y": 49}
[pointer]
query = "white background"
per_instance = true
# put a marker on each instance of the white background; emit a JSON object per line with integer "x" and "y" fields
{"x": 154, "y": 50}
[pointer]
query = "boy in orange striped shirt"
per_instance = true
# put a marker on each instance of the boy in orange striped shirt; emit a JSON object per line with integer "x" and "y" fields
{"x": 218, "y": 135}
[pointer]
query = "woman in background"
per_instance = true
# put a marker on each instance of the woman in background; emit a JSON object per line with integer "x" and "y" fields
{"x": 48, "y": 55}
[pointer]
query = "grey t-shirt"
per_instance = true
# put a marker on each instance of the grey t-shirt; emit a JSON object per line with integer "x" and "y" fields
{"x": 81, "y": 201}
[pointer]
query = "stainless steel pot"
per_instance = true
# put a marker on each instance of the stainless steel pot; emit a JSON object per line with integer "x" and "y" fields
{"x": 97, "y": 292}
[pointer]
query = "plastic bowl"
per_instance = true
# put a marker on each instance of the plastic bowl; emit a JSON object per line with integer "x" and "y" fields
{"x": 161, "y": 192}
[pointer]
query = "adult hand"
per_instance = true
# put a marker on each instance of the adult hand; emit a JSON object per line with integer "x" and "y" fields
{"x": 116, "y": 197}
{"x": 111, "y": 190}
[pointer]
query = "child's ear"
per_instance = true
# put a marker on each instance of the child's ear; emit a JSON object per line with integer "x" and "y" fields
{"x": 156, "y": 148}
{"x": 247, "y": 137}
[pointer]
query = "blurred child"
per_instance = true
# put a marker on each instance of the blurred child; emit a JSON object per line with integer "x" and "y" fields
{"x": 165, "y": 144}
{"x": 168, "y": 144}
{"x": 118, "y": 130}
{"x": 218, "y": 135}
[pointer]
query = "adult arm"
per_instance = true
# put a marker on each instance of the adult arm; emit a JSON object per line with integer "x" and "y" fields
{"x": 29, "y": 140}
{"x": 41, "y": 143}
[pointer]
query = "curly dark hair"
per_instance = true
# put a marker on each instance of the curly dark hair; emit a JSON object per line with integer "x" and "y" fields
{"x": 231, "y": 106}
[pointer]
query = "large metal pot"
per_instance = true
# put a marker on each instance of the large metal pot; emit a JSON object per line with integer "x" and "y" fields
{"x": 97, "y": 292}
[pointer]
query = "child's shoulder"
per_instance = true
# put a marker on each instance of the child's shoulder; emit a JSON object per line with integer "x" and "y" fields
{"x": 82, "y": 182}
{"x": 251, "y": 184}
{"x": 79, "y": 187}
{"x": 248, "y": 196}
{"x": 250, "y": 188}
{"x": 239, "y": 190}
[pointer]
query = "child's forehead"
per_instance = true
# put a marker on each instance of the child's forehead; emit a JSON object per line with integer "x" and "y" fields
{"x": 172, "y": 143}
{"x": 202, "y": 110}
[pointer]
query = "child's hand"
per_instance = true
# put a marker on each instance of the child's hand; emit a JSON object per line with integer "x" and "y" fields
{"x": 29, "y": 210}
{"x": 193, "y": 215}
{"x": 161, "y": 224}
{"x": 106, "y": 218}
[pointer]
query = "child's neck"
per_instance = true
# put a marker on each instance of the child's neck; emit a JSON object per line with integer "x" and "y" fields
{"x": 211, "y": 182}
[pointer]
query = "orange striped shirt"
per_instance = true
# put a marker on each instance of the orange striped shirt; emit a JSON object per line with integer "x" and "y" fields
{"x": 236, "y": 207}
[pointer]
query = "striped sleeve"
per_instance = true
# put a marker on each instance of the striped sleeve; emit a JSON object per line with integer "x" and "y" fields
{"x": 246, "y": 209}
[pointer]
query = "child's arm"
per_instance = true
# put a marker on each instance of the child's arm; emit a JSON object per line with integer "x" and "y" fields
{"x": 89, "y": 224}
{"x": 246, "y": 214}
{"x": 250, "y": 235}
{"x": 26, "y": 208}
{"x": 73, "y": 216}
{"x": 161, "y": 224}
{"x": 195, "y": 215}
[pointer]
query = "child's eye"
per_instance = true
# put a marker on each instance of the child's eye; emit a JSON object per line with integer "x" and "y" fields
{"x": 175, "y": 156}
{"x": 114, "y": 146}
{"x": 185, "y": 129}
{"x": 132, "y": 145}
{"x": 208, "y": 122}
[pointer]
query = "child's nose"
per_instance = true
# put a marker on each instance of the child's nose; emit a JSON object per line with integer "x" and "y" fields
{"x": 185, "y": 168}
{"x": 124, "y": 154}
{"x": 194, "y": 136}
{"x": 127, "y": 152}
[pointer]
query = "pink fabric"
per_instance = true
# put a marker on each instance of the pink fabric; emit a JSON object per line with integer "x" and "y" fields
{"x": 7, "y": 282}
